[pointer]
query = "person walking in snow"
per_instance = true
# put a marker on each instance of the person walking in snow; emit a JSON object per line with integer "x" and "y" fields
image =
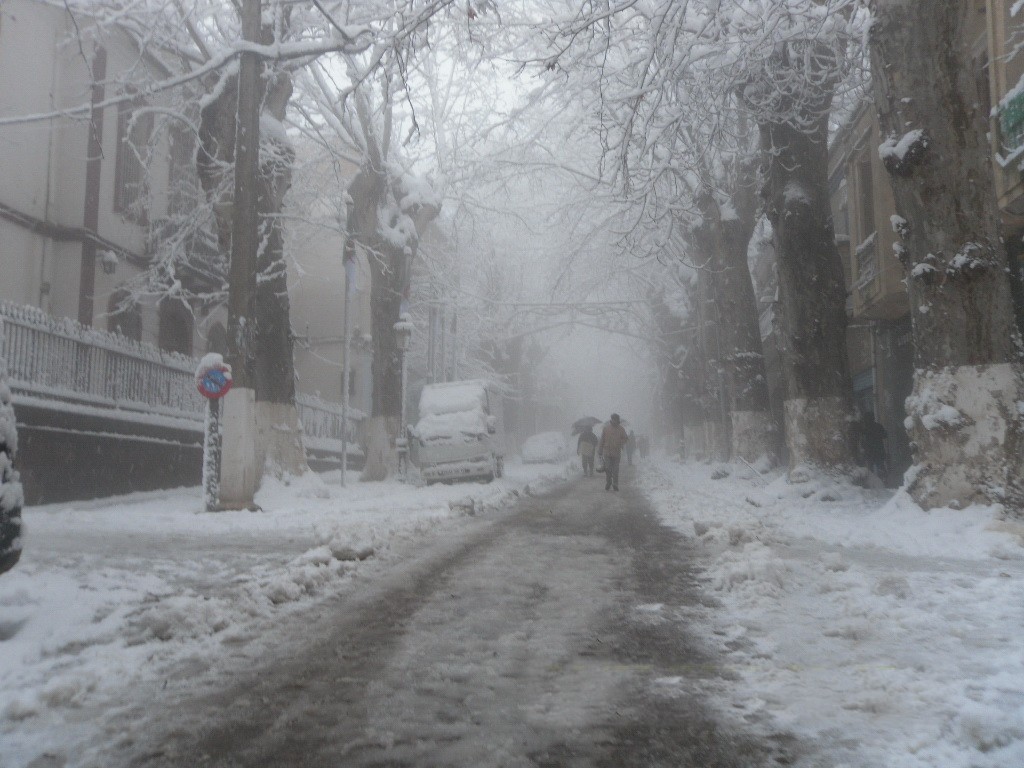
{"x": 630, "y": 447}
{"x": 613, "y": 440}
{"x": 586, "y": 447}
{"x": 645, "y": 446}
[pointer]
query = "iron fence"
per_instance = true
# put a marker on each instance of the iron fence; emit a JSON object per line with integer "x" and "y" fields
{"x": 58, "y": 359}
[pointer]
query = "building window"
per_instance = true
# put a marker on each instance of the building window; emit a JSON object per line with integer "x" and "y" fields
{"x": 134, "y": 130}
{"x": 866, "y": 197}
{"x": 842, "y": 221}
{"x": 175, "y": 327}
{"x": 124, "y": 316}
{"x": 182, "y": 184}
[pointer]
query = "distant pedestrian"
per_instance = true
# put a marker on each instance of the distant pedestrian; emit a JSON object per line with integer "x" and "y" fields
{"x": 586, "y": 447}
{"x": 613, "y": 440}
{"x": 872, "y": 444}
{"x": 643, "y": 444}
{"x": 630, "y": 447}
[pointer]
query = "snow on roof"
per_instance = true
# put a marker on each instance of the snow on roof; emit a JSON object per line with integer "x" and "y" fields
{"x": 452, "y": 409}
{"x": 453, "y": 397}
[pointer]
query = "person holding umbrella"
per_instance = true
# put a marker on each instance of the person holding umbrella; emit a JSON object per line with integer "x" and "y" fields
{"x": 613, "y": 440}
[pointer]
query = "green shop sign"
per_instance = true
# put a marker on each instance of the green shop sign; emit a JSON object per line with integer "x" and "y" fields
{"x": 1011, "y": 122}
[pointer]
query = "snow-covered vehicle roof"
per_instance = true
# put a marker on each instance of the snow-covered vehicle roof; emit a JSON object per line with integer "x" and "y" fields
{"x": 452, "y": 409}
{"x": 453, "y": 397}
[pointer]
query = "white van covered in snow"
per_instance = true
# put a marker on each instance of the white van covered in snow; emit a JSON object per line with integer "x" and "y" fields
{"x": 461, "y": 433}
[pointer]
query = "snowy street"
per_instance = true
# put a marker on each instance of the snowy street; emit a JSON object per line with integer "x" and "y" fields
{"x": 317, "y": 320}
{"x": 522, "y": 635}
{"x": 531, "y": 622}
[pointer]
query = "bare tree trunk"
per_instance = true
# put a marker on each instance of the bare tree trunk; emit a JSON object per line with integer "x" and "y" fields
{"x": 811, "y": 289}
{"x": 671, "y": 338}
{"x": 742, "y": 353}
{"x": 390, "y": 265}
{"x": 367, "y": 193}
{"x": 724, "y": 240}
{"x": 711, "y": 442}
{"x": 278, "y": 434}
{"x": 385, "y": 308}
{"x": 237, "y": 117}
{"x": 277, "y": 416}
{"x": 966, "y": 432}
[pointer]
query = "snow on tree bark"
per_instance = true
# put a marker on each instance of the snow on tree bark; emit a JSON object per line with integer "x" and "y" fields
{"x": 385, "y": 222}
{"x": 11, "y": 496}
{"x": 811, "y": 289}
{"x": 965, "y": 419}
{"x": 271, "y": 366}
{"x": 724, "y": 239}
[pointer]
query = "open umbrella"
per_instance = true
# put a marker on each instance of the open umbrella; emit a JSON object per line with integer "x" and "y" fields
{"x": 580, "y": 424}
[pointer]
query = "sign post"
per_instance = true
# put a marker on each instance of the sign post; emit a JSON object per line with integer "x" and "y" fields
{"x": 213, "y": 380}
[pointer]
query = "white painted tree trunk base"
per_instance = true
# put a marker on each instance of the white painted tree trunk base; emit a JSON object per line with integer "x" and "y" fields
{"x": 279, "y": 445}
{"x": 752, "y": 436}
{"x": 380, "y": 455}
{"x": 241, "y": 466}
{"x": 716, "y": 442}
{"x": 817, "y": 434}
{"x": 966, "y": 427}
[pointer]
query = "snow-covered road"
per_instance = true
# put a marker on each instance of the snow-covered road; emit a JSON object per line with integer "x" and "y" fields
{"x": 486, "y": 625}
{"x": 879, "y": 633}
{"x": 114, "y": 598}
{"x": 548, "y": 633}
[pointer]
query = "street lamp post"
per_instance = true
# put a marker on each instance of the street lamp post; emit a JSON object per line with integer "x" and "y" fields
{"x": 403, "y": 336}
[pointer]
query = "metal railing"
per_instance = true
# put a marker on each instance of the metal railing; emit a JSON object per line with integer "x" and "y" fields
{"x": 322, "y": 423}
{"x": 59, "y": 360}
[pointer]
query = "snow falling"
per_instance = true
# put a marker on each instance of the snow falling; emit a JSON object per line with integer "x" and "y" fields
{"x": 511, "y": 385}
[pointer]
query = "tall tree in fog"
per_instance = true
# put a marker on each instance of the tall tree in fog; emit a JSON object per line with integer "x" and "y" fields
{"x": 371, "y": 45}
{"x": 184, "y": 82}
{"x": 789, "y": 61}
{"x": 966, "y": 424}
{"x": 675, "y": 81}
{"x": 378, "y": 114}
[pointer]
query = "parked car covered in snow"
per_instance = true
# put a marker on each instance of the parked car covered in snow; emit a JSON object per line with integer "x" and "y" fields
{"x": 545, "y": 447}
{"x": 461, "y": 433}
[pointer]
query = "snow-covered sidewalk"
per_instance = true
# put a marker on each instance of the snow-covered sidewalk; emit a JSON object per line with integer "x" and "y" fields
{"x": 110, "y": 594}
{"x": 882, "y": 634}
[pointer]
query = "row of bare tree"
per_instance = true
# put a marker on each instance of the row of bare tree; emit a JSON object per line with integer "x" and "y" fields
{"x": 703, "y": 116}
{"x": 712, "y": 114}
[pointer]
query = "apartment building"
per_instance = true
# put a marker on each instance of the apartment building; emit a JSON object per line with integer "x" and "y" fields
{"x": 880, "y": 337}
{"x": 86, "y": 197}
{"x": 75, "y": 202}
